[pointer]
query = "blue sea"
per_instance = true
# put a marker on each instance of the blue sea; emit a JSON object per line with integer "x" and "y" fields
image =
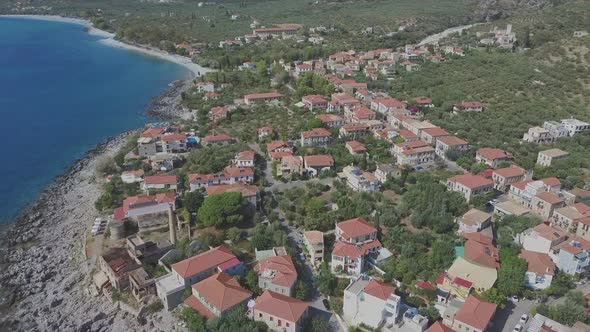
{"x": 61, "y": 93}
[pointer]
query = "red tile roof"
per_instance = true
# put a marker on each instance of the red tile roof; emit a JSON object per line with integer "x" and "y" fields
{"x": 493, "y": 153}
{"x": 424, "y": 285}
{"x": 355, "y": 227}
{"x": 280, "y": 154}
{"x": 276, "y": 145}
{"x": 521, "y": 184}
{"x": 452, "y": 141}
{"x": 549, "y": 197}
{"x": 471, "y": 181}
{"x": 462, "y": 282}
{"x": 204, "y": 261}
{"x": 246, "y": 155}
{"x": 355, "y": 126}
{"x": 238, "y": 171}
{"x": 390, "y": 102}
{"x": 174, "y": 137}
{"x": 345, "y": 249}
{"x": 539, "y": 263}
{"x": 422, "y": 100}
{"x": 435, "y": 131}
{"x": 327, "y": 118}
{"x": 153, "y": 132}
{"x": 161, "y": 179}
{"x": 285, "y": 273}
{"x": 317, "y": 132}
{"x": 482, "y": 253}
{"x": 549, "y": 232}
{"x": 413, "y": 144}
{"x": 510, "y": 172}
{"x": 379, "y": 289}
{"x": 141, "y": 200}
{"x": 439, "y": 327}
{"x": 552, "y": 181}
{"x": 404, "y": 133}
{"x": 469, "y": 104}
{"x": 319, "y": 160}
{"x": 476, "y": 313}
{"x": 266, "y": 95}
{"x": 281, "y": 306}
{"x": 315, "y": 99}
{"x": 222, "y": 291}
{"x": 356, "y": 146}
{"x": 194, "y": 303}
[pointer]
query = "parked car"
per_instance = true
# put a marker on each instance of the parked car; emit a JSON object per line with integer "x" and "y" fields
{"x": 517, "y": 328}
{"x": 326, "y": 304}
{"x": 514, "y": 299}
{"x": 524, "y": 318}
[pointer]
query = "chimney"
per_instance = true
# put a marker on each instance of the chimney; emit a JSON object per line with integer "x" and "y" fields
{"x": 172, "y": 224}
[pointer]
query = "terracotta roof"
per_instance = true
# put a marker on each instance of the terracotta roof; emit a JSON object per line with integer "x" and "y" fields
{"x": 510, "y": 172}
{"x": 413, "y": 144}
{"x": 174, "y": 137}
{"x": 362, "y": 112}
{"x": 327, "y": 118}
{"x": 314, "y": 237}
{"x": 215, "y": 138}
{"x": 275, "y": 145}
{"x": 462, "y": 282}
{"x": 345, "y": 249}
{"x": 355, "y": 126}
{"x": 219, "y": 111}
{"x": 476, "y": 313}
{"x": 245, "y": 189}
{"x": 390, "y": 102}
{"x": 493, "y": 153}
{"x": 317, "y": 132}
{"x": 265, "y": 95}
{"x": 153, "y": 132}
{"x": 356, "y": 146}
{"x": 222, "y": 291}
{"x": 315, "y": 99}
{"x": 204, "y": 261}
{"x": 549, "y": 232}
{"x": 404, "y": 133}
{"x": 143, "y": 200}
{"x": 319, "y": 160}
{"x": 552, "y": 181}
{"x": 452, "y": 141}
{"x": 355, "y": 227}
{"x": 469, "y": 104}
{"x": 424, "y": 285}
{"x": 582, "y": 208}
{"x": 422, "y": 100}
{"x": 549, "y": 197}
{"x": 246, "y": 155}
{"x": 481, "y": 253}
{"x": 281, "y": 306}
{"x": 238, "y": 171}
{"x": 521, "y": 184}
{"x": 471, "y": 181}
{"x": 161, "y": 179}
{"x": 439, "y": 327}
{"x": 379, "y": 289}
{"x": 194, "y": 303}
{"x": 281, "y": 154}
{"x": 435, "y": 131}
{"x": 539, "y": 263}
{"x": 285, "y": 273}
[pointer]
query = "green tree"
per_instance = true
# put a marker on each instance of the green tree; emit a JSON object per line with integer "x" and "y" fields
{"x": 560, "y": 284}
{"x": 192, "y": 201}
{"x": 511, "y": 272}
{"x": 301, "y": 291}
{"x": 223, "y": 209}
{"x": 325, "y": 281}
{"x": 316, "y": 324}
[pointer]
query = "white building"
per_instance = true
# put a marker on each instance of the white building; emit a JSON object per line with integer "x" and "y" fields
{"x": 575, "y": 126}
{"x": 547, "y": 157}
{"x": 574, "y": 256}
{"x": 370, "y": 302}
{"x": 360, "y": 181}
{"x": 540, "y": 269}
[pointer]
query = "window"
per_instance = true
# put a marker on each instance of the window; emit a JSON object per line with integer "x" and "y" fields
{"x": 287, "y": 324}
{"x": 259, "y": 315}
{"x": 280, "y": 323}
{"x": 271, "y": 319}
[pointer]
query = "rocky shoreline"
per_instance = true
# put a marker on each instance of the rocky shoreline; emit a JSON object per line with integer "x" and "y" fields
{"x": 44, "y": 274}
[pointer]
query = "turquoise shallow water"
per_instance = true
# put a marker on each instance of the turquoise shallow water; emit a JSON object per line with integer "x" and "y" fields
{"x": 61, "y": 93}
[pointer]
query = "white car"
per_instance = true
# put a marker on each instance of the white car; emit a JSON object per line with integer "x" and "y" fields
{"x": 514, "y": 299}
{"x": 517, "y": 328}
{"x": 524, "y": 318}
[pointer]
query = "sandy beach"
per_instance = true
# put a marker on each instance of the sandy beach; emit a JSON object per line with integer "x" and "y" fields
{"x": 108, "y": 38}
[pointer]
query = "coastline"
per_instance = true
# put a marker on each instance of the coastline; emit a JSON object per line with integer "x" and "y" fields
{"x": 108, "y": 38}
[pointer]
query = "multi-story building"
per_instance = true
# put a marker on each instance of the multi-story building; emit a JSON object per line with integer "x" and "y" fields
{"x": 575, "y": 126}
{"x": 245, "y": 159}
{"x": 541, "y": 238}
{"x": 556, "y": 129}
{"x": 475, "y": 315}
{"x": 430, "y": 135}
{"x": 574, "y": 256}
{"x": 217, "y": 295}
{"x": 278, "y": 274}
{"x": 470, "y": 185}
{"x": 547, "y": 157}
{"x": 540, "y": 269}
{"x": 414, "y": 153}
{"x": 280, "y": 312}
{"x": 319, "y": 137}
{"x": 504, "y": 177}
{"x": 370, "y": 302}
{"x": 356, "y": 240}
{"x": 473, "y": 221}
{"x": 360, "y": 181}
{"x": 331, "y": 120}
{"x": 538, "y": 135}
{"x": 314, "y": 102}
{"x": 170, "y": 287}
{"x": 492, "y": 157}
{"x": 569, "y": 218}
{"x": 450, "y": 143}
{"x": 314, "y": 242}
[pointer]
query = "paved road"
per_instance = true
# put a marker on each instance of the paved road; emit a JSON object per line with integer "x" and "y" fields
{"x": 505, "y": 319}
